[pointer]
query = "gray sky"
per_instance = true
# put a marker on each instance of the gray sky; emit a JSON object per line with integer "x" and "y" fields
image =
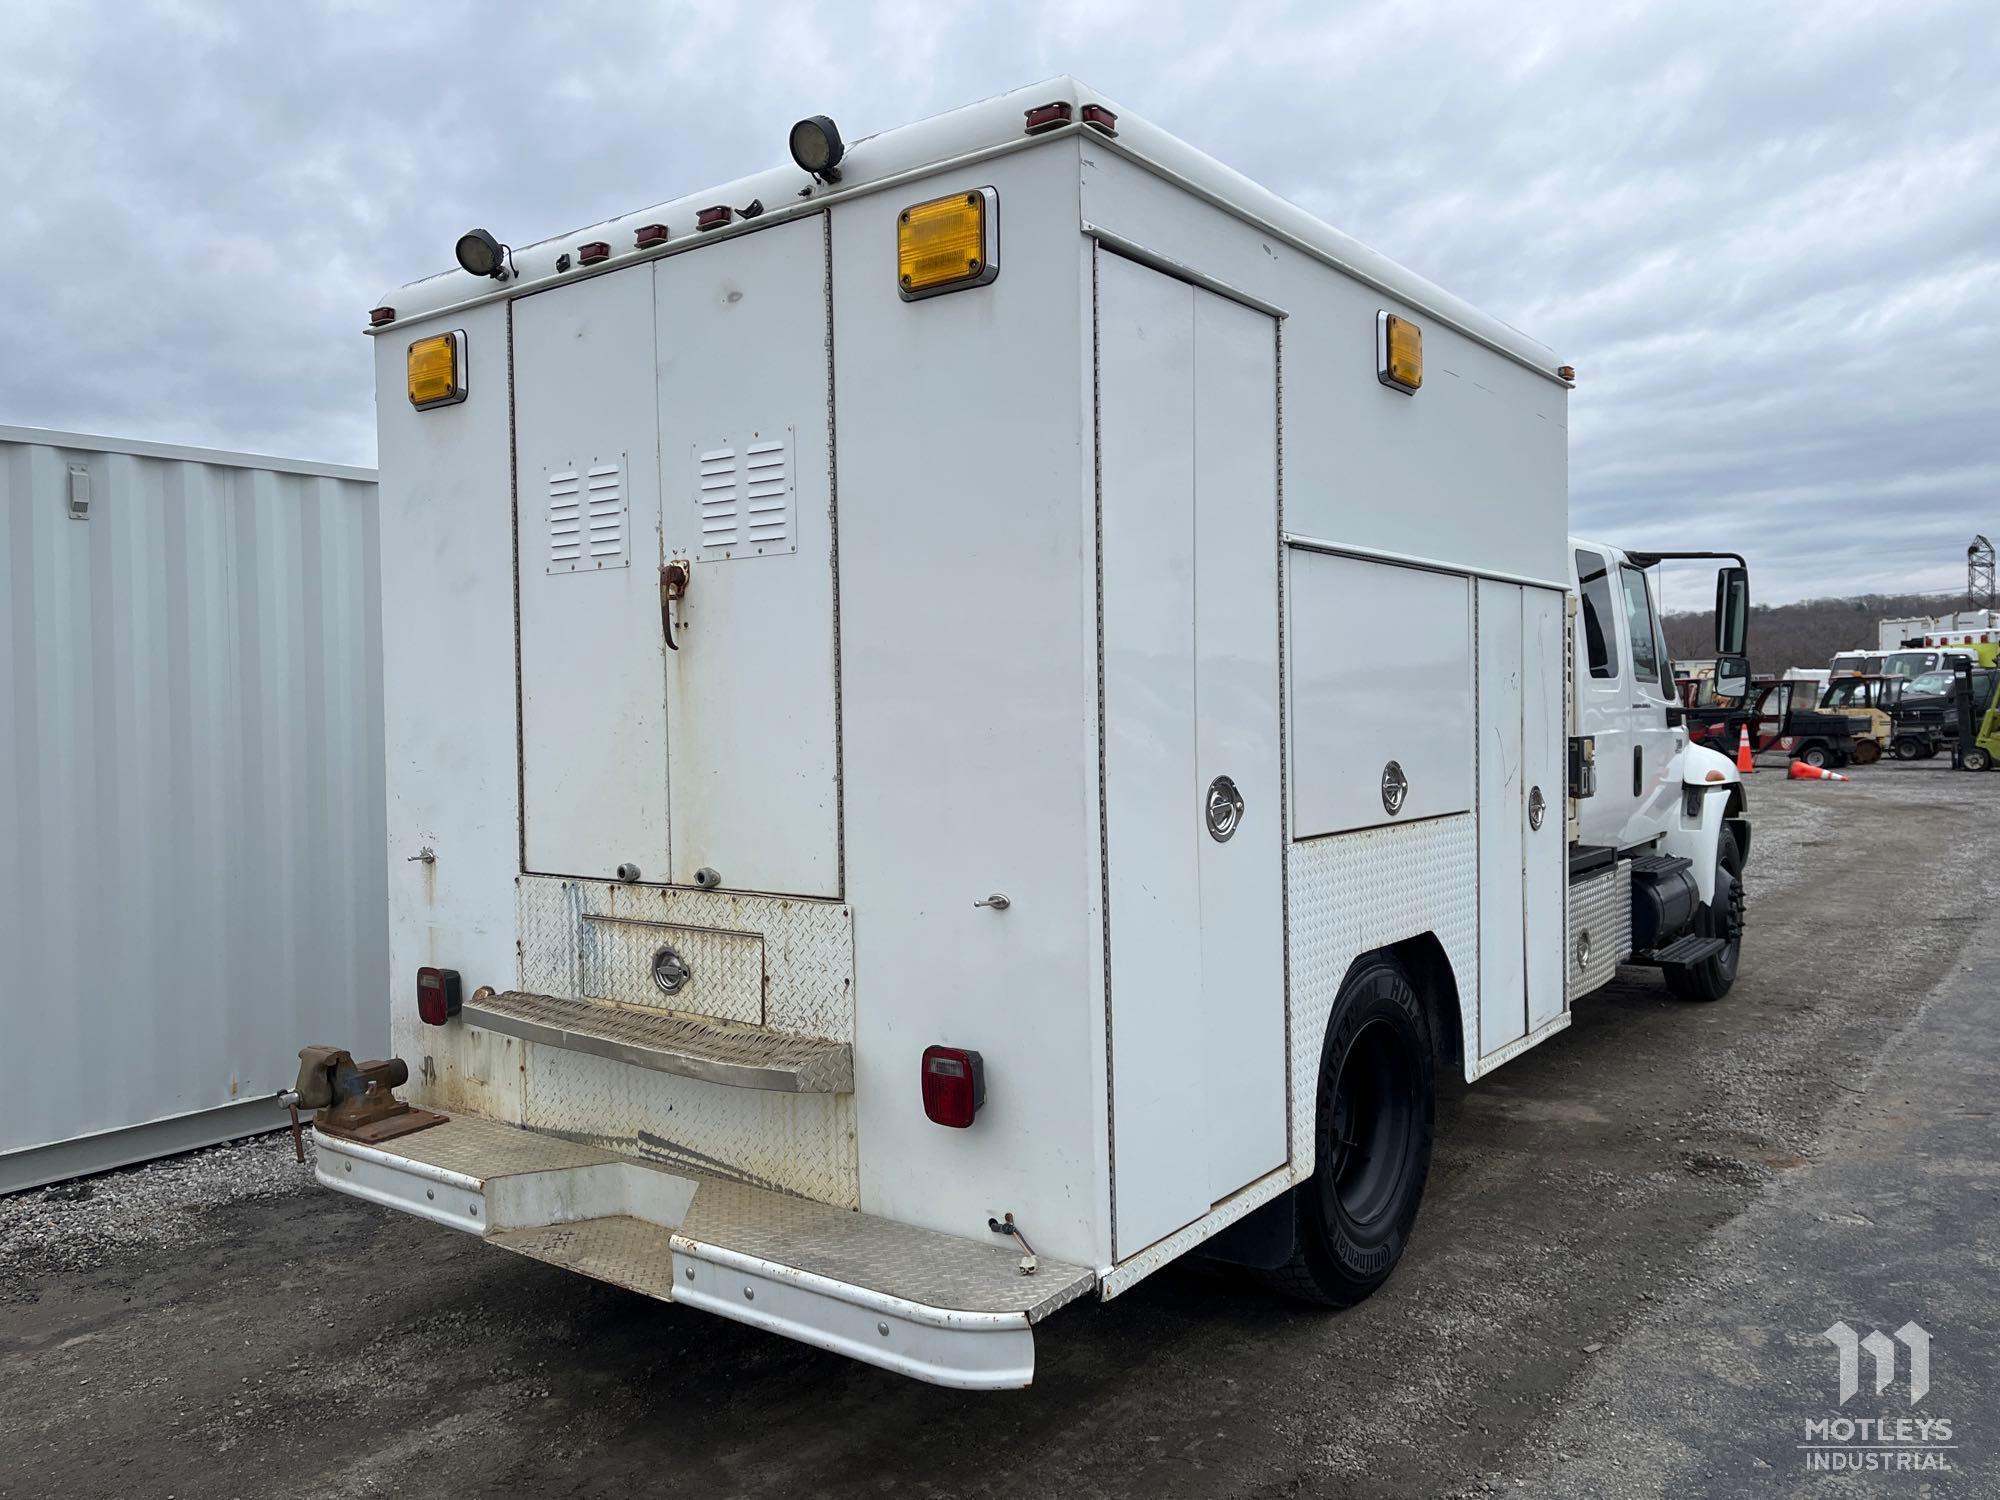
{"x": 1768, "y": 237}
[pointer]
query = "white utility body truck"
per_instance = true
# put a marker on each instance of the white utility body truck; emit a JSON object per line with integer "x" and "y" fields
{"x": 974, "y": 714}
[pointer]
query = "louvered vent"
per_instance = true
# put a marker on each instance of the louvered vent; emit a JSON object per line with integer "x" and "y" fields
{"x": 587, "y": 517}
{"x": 744, "y": 495}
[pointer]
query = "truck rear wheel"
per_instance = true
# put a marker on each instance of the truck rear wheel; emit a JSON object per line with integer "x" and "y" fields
{"x": 1814, "y": 755}
{"x": 1907, "y": 748}
{"x": 1377, "y": 1108}
{"x": 1721, "y": 918}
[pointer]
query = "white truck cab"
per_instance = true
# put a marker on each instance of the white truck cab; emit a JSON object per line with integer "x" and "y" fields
{"x": 975, "y": 713}
{"x": 1657, "y": 800}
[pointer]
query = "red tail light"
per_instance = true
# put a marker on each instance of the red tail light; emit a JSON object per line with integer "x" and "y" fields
{"x": 437, "y": 995}
{"x": 954, "y": 1085}
{"x": 1047, "y": 116}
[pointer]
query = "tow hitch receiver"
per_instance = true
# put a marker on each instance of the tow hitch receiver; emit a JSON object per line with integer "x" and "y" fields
{"x": 355, "y": 1100}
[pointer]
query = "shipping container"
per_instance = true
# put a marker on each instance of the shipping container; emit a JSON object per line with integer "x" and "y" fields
{"x": 192, "y": 785}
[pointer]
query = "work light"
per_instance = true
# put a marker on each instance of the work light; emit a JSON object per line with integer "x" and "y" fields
{"x": 482, "y": 255}
{"x": 816, "y": 147}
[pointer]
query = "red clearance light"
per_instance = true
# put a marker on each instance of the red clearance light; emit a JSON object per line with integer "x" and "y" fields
{"x": 714, "y": 218}
{"x": 954, "y": 1085}
{"x": 651, "y": 234}
{"x": 591, "y": 254}
{"x": 1567, "y": 372}
{"x": 1048, "y": 116}
{"x": 437, "y": 995}
{"x": 1099, "y": 118}
{"x": 377, "y": 316}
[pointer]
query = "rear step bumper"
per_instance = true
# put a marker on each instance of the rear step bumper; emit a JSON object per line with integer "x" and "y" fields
{"x": 932, "y": 1306}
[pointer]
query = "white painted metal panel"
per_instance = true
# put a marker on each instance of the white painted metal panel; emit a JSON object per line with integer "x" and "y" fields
{"x": 449, "y": 695}
{"x": 1152, "y": 775}
{"x": 191, "y": 873}
{"x": 1469, "y": 472}
{"x": 968, "y": 696}
{"x": 1503, "y": 1008}
{"x": 593, "y": 715}
{"x": 742, "y": 403}
{"x": 1543, "y": 767}
{"x": 1239, "y": 1036}
{"x": 1381, "y": 670}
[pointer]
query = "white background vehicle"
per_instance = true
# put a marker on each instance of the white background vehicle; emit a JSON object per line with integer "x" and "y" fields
{"x": 900, "y": 809}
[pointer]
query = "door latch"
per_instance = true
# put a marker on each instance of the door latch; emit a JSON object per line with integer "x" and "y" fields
{"x": 674, "y": 579}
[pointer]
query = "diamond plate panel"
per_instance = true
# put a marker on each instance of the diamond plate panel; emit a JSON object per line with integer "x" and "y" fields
{"x": 803, "y": 980}
{"x": 1351, "y": 892}
{"x": 974, "y": 1275}
{"x": 1602, "y": 908}
{"x": 725, "y": 969}
{"x": 693, "y": 1046}
{"x": 624, "y": 1251}
{"x": 482, "y": 1149}
{"x": 901, "y": 1260}
{"x": 797, "y": 1143}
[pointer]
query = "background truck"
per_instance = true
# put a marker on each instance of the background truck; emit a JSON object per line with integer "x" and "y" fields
{"x": 901, "y": 816}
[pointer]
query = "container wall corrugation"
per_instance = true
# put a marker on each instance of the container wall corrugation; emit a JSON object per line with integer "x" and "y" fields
{"x": 191, "y": 783}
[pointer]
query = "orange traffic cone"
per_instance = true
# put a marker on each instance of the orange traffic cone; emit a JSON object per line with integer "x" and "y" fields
{"x": 1744, "y": 763}
{"x": 1803, "y": 772}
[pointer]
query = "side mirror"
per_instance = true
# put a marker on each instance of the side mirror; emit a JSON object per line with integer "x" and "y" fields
{"x": 1732, "y": 677}
{"x": 1732, "y": 611}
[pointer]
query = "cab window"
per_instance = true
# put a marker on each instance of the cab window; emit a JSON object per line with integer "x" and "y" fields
{"x": 1640, "y": 625}
{"x": 1600, "y": 641}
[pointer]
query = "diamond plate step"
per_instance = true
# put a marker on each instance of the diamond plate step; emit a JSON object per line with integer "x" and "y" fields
{"x": 1692, "y": 949}
{"x": 950, "y": 1310}
{"x": 725, "y": 1052}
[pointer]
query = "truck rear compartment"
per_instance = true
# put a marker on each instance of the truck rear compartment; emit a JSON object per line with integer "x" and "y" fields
{"x": 929, "y": 1305}
{"x": 893, "y": 675}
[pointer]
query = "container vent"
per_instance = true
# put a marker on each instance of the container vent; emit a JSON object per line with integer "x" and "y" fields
{"x": 743, "y": 492}
{"x": 586, "y": 508}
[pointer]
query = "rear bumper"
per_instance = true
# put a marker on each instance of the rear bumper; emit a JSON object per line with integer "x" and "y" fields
{"x": 931, "y": 1306}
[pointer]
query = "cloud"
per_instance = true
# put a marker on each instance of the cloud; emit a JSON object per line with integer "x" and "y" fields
{"x": 1768, "y": 237}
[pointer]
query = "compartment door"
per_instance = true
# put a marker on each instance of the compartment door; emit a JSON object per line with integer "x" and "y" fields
{"x": 1543, "y": 757}
{"x": 593, "y": 718}
{"x": 1523, "y": 872}
{"x": 751, "y": 757}
{"x": 1188, "y": 446}
{"x": 1503, "y": 794}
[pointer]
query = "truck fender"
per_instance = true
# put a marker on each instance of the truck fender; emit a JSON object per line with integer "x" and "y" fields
{"x": 1711, "y": 797}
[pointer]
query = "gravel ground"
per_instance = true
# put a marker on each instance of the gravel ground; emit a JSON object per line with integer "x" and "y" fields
{"x": 96, "y": 1222}
{"x": 1656, "y": 1191}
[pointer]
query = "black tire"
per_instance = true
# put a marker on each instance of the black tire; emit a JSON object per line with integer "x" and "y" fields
{"x": 1723, "y": 917}
{"x": 1907, "y": 748}
{"x": 1376, "y": 1114}
{"x": 1813, "y": 755}
{"x": 1977, "y": 759}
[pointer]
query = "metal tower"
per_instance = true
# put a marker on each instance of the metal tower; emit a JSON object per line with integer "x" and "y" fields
{"x": 1979, "y": 574}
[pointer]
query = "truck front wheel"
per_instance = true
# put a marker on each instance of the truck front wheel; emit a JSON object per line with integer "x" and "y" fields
{"x": 1377, "y": 1108}
{"x": 1721, "y": 918}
